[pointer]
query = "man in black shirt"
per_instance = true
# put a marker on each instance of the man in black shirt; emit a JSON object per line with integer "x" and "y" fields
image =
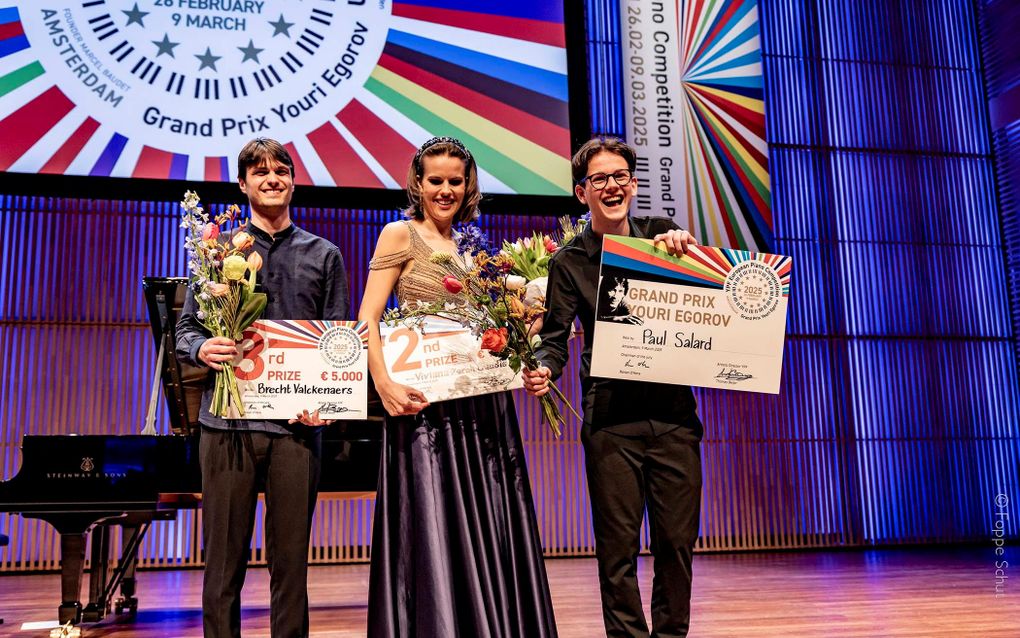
{"x": 642, "y": 440}
{"x": 303, "y": 277}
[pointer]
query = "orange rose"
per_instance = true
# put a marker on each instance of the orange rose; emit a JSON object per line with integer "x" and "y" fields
{"x": 494, "y": 340}
{"x": 218, "y": 290}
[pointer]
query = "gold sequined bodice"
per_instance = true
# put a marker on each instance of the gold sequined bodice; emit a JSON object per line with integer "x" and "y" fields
{"x": 424, "y": 280}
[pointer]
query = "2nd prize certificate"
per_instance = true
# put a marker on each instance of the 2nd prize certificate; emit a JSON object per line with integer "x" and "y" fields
{"x": 714, "y": 317}
{"x": 291, "y": 366}
{"x": 443, "y": 360}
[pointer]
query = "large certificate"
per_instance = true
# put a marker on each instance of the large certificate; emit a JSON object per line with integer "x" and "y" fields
{"x": 291, "y": 366}
{"x": 443, "y": 360}
{"x": 714, "y": 317}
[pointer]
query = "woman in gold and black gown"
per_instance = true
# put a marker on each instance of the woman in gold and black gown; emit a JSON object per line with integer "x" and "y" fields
{"x": 455, "y": 546}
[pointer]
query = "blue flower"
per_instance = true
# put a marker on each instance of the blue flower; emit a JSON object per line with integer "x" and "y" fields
{"x": 470, "y": 240}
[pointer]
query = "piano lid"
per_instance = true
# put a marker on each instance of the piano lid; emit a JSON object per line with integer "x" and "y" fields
{"x": 183, "y": 383}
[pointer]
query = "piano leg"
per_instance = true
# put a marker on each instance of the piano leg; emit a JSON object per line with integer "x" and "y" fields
{"x": 99, "y": 575}
{"x": 127, "y": 600}
{"x": 72, "y": 566}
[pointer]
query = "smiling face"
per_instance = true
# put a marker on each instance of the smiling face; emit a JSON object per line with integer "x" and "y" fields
{"x": 609, "y": 207}
{"x": 443, "y": 185}
{"x": 269, "y": 186}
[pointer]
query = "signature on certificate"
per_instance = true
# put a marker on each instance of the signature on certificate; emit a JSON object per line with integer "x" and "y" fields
{"x": 629, "y": 363}
{"x": 332, "y": 407}
{"x": 732, "y": 375}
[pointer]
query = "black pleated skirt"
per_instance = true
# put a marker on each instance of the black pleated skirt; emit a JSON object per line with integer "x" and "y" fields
{"x": 455, "y": 546}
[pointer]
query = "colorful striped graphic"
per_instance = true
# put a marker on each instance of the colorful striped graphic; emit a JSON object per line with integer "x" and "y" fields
{"x": 703, "y": 266}
{"x": 722, "y": 120}
{"x": 12, "y": 33}
{"x": 305, "y": 333}
{"x": 149, "y": 101}
{"x": 21, "y": 129}
{"x": 513, "y": 116}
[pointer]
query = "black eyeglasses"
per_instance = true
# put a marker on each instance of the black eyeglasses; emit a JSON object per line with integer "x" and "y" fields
{"x": 599, "y": 181}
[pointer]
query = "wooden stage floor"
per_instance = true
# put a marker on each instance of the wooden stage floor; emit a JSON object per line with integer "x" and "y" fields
{"x": 926, "y": 593}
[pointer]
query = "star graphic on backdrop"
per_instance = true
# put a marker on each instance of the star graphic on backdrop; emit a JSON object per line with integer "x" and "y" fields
{"x": 207, "y": 59}
{"x": 134, "y": 15}
{"x": 281, "y": 26}
{"x": 251, "y": 52}
{"x": 165, "y": 46}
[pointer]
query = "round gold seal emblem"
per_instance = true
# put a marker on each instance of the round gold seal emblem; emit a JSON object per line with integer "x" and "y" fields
{"x": 753, "y": 289}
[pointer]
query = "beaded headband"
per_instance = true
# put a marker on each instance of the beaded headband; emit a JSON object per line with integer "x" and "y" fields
{"x": 439, "y": 140}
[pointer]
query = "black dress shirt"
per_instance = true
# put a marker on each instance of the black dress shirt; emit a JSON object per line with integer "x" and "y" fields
{"x": 627, "y": 407}
{"x": 303, "y": 277}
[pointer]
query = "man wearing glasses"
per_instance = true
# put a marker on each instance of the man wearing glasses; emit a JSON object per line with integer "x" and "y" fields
{"x": 642, "y": 440}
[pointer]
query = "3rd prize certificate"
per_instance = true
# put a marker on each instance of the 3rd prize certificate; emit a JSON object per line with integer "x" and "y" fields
{"x": 291, "y": 366}
{"x": 444, "y": 361}
{"x": 714, "y": 317}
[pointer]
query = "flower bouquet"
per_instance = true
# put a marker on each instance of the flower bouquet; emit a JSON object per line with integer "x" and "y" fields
{"x": 489, "y": 300}
{"x": 223, "y": 281}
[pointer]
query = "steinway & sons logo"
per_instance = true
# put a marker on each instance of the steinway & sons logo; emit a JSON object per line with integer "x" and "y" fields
{"x": 88, "y": 467}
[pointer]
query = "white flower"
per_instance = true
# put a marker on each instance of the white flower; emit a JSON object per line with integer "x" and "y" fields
{"x": 515, "y": 282}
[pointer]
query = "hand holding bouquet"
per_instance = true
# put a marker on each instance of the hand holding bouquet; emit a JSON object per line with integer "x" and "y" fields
{"x": 530, "y": 259}
{"x": 223, "y": 281}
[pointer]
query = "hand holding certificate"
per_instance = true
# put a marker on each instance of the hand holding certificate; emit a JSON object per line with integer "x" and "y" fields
{"x": 714, "y": 317}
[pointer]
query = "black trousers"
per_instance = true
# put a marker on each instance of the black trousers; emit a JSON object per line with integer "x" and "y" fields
{"x": 626, "y": 474}
{"x": 235, "y": 465}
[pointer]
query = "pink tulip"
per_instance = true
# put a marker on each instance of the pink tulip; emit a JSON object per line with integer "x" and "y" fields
{"x": 452, "y": 284}
{"x": 550, "y": 245}
{"x": 210, "y": 231}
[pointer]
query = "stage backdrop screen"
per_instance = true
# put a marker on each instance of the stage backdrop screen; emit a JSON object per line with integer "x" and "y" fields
{"x": 171, "y": 89}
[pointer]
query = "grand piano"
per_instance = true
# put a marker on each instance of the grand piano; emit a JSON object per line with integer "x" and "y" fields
{"x": 89, "y": 484}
